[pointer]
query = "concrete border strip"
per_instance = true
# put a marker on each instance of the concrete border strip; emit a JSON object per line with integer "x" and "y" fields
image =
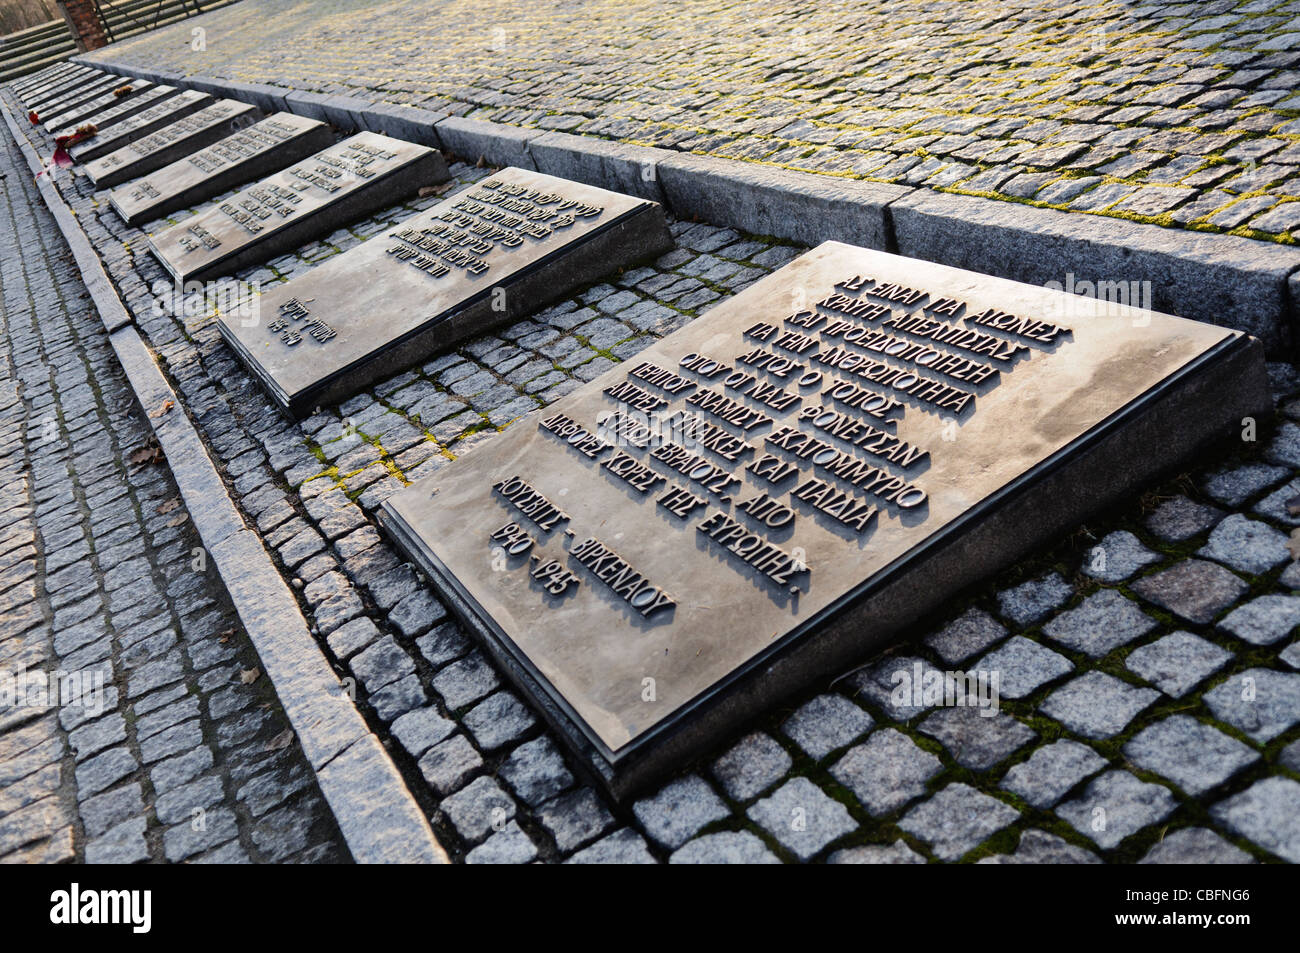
{"x": 376, "y": 813}
{"x": 1222, "y": 279}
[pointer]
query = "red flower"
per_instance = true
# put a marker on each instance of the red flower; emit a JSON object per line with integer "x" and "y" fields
{"x": 36, "y": 120}
{"x": 62, "y": 158}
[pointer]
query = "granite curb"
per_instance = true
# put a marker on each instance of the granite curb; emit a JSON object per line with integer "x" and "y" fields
{"x": 1221, "y": 279}
{"x": 376, "y": 813}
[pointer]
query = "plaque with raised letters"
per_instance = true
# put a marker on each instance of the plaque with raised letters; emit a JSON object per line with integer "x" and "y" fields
{"x": 133, "y": 116}
{"x": 270, "y": 144}
{"x": 143, "y": 122}
{"x": 499, "y": 250}
{"x": 42, "y": 77}
{"x": 53, "y": 85}
{"x": 313, "y": 197}
{"x": 117, "y": 96}
{"x": 770, "y": 494}
{"x": 179, "y": 137}
{"x": 67, "y": 95}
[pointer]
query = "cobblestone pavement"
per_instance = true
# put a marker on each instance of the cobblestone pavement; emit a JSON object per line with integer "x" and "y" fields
{"x": 1150, "y": 703}
{"x": 1182, "y": 114}
{"x": 179, "y": 751}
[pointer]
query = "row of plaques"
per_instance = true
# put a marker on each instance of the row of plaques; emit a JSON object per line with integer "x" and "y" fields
{"x": 747, "y": 506}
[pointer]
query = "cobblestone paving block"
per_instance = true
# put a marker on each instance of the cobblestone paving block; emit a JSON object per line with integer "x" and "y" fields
{"x": 624, "y": 846}
{"x": 957, "y": 819}
{"x": 1051, "y": 771}
{"x": 1115, "y": 806}
{"x": 1040, "y": 847}
{"x": 896, "y": 853}
{"x": 826, "y": 723}
{"x": 1193, "y": 589}
{"x": 1264, "y": 620}
{"x": 1117, "y": 557}
{"x": 449, "y": 763}
{"x": 725, "y": 847}
{"x": 478, "y": 809}
{"x": 971, "y": 632}
{"x": 575, "y": 819}
{"x": 1023, "y": 666}
{"x": 751, "y": 766}
{"x": 1177, "y": 662}
{"x": 1033, "y": 601}
{"x": 1102, "y": 622}
{"x": 802, "y": 817}
{"x": 1268, "y": 814}
{"x": 886, "y": 771}
{"x": 1236, "y": 485}
{"x": 1097, "y": 705}
{"x": 499, "y": 720}
{"x": 1258, "y": 701}
{"x": 1246, "y": 545}
{"x": 536, "y": 771}
{"x": 678, "y": 810}
{"x": 1195, "y": 845}
{"x": 508, "y": 846}
{"x": 887, "y": 685}
{"x": 977, "y": 736}
{"x": 1193, "y": 755}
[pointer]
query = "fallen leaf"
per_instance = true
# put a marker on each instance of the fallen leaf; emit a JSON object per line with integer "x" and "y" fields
{"x": 178, "y": 520}
{"x": 1293, "y": 544}
{"x": 162, "y": 408}
{"x": 249, "y": 675}
{"x": 149, "y": 453}
{"x": 1293, "y": 506}
{"x": 224, "y": 636}
{"x": 170, "y": 505}
{"x": 282, "y": 740}
{"x": 428, "y": 190}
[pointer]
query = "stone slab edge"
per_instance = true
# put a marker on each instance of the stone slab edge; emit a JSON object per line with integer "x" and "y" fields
{"x": 376, "y": 813}
{"x": 1221, "y": 279}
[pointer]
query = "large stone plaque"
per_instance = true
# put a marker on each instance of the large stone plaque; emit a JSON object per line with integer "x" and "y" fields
{"x": 503, "y": 248}
{"x": 43, "y": 77}
{"x": 75, "y": 110}
{"x": 313, "y": 197}
{"x": 53, "y": 85}
{"x": 263, "y": 147}
{"x": 143, "y": 123}
{"x": 771, "y": 493}
{"x": 66, "y": 94}
{"x": 175, "y": 140}
{"x": 118, "y": 113}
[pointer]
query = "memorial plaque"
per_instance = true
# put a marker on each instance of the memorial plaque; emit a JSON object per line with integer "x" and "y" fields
{"x": 770, "y": 494}
{"x": 116, "y": 111}
{"x": 93, "y": 82}
{"x": 272, "y": 143}
{"x": 35, "y": 92}
{"x": 313, "y": 197}
{"x": 43, "y": 77}
{"x": 508, "y": 245}
{"x": 120, "y": 134}
{"x": 55, "y": 114}
{"x": 176, "y": 139}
